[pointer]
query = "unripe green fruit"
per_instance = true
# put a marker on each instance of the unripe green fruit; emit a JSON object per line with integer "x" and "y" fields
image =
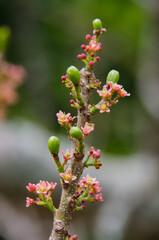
{"x": 73, "y": 74}
{"x": 4, "y": 38}
{"x": 76, "y": 132}
{"x": 113, "y": 76}
{"x": 97, "y": 24}
{"x": 53, "y": 145}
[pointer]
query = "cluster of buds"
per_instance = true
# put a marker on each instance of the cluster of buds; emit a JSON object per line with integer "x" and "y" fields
{"x": 95, "y": 155}
{"x": 73, "y": 237}
{"x": 88, "y": 190}
{"x": 93, "y": 47}
{"x": 11, "y": 77}
{"x": 43, "y": 189}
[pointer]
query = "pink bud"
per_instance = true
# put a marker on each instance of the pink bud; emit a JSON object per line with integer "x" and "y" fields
{"x": 83, "y": 46}
{"x": 88, "y": 37}
{"x": 72, "y": 101}
{"x": 83, "y": 201}
{"x": 63, "y": 82}
{"x": 92, "y": 54}
{"x": 83, "y": 56}
{"x": 91, "y": 192}
{"x": 79, "y": 56}
{"x": 63, "y": 77}
{"x": 91, "y": 63}
{"x": 83, "y": 207}
{"x": 97, "y": 59}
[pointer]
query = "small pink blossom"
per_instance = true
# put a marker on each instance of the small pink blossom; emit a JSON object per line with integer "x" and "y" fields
{"x": 93, "y": 46}
{"x": 52, "y": 186}
{"x": 123, "y": 93}
{"x": 64, "y": 119}
{"x": 96, "y": 187}
{"x": 105, "y": 93}
{"x": 103, "y": 107}
{"x": 29, "y": 201}
{"x": 88, "y": 180}
{"x": 67, "y": 155}
{"x": 88, "y": 128}
{"x": 98, "y": 197}
{"x": 67, "y": 176}
{"x": 31, "y": 187}
{"x": 44, "y": 186}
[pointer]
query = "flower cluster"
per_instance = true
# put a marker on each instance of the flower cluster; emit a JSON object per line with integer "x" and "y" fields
{"x": 95, "y": 155}
{"x": 93, "y": 47}
{"x": 107, "y": 94}
{"x": 11, "y": 77}
{"x": 88, "y": 189}
{"x": 43, "y": 189}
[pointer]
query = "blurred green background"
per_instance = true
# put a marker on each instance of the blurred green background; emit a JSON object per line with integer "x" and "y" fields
{"x": 46, "y": 38}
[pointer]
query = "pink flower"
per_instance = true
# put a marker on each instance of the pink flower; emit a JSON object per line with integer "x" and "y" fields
{"x": 103, "y": 107}
{"x": 44, "y": 186}
{"x": 93, "y": 46}
{"x": 105, "y": 93}
{"x": 88, "y": 128}
{"x": 52, "y": 186}
{"x": 123, "y": 93}
{"x": 29, "y": 201}
{"x": 67, "y": 155}
{"x": 96, "y": 187}
{"x": 63, "y": 118}
{"x": 31, "y": 187}
{"x": 98, "y": 197}
{"x": 88, "y": 180}
{"x": 68, "y": 177}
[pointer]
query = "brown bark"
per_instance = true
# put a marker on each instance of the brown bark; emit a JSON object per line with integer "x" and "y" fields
{"x": 63, "y": 214}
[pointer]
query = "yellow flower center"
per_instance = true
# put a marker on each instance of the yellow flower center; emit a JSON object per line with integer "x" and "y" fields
{"x": 67, "y": 177}
{"x": 63, "y": 117}
{"x": 42, "y": 189}
{"x": 104, "y": 107}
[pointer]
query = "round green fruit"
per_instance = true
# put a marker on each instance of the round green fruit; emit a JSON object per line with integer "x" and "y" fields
{"x": 53, "y": 145}
{"x": 97, "y": 24}
{"x": 113, "y": 76}
{"x": 76, "y": 133}
{"x": 73, "y": 74}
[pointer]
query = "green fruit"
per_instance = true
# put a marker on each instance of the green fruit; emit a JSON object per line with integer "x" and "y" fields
{"x": 4, "y": 37}
{"x": 73, "y": 74}
{"x": 53, "y": 145}
{"x": 97, "y": 24}
{"x": 113, "y": 76}
{"x": 76, "y": 132}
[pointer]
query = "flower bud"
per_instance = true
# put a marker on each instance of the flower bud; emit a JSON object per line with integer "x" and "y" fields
{"x": 4, "y": 38}
{"x": 53, "y": 145}
{"x": 76, "y": 132}
{"x": 113, "y": 76}
{"x": 97, "y": 24}
{"x": 74, "y": 74}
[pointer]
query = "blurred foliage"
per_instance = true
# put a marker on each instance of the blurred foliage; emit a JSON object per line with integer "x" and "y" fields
{"x": 46, "y": 39}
